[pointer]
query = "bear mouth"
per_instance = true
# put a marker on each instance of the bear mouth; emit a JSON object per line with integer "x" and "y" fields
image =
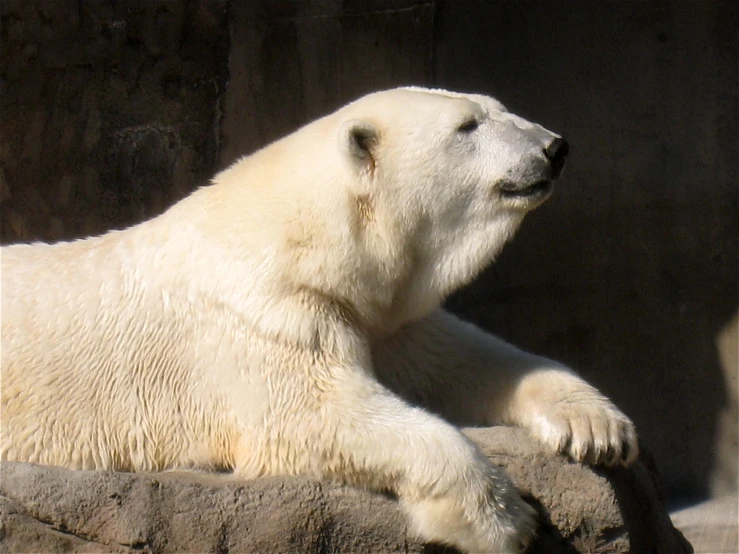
{"x": 538, "y": 189}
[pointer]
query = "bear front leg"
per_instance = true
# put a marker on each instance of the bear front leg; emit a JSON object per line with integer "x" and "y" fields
{"x": 473, "y": 378}
{"x": 349, "y": 428}
{"x": 450, "y": 491}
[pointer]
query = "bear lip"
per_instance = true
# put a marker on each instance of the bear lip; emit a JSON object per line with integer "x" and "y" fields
{"x": 534, "y": 190}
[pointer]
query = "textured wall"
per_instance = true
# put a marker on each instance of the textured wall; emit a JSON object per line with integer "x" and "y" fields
{"x": 109, "y": 110}
{"x": 292, "y": 61}
{"x": 630, "y": 272}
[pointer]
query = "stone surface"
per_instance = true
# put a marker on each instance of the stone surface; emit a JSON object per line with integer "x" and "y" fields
{"x": 711, "y": 526}
{"x": 110, "y": 111}
{"x": 57, "y": 510}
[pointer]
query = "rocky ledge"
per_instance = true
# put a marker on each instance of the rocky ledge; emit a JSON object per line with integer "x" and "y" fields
{"x": 45, "y": 509}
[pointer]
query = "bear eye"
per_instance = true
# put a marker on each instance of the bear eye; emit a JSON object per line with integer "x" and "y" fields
{"x": 468, "y": 126}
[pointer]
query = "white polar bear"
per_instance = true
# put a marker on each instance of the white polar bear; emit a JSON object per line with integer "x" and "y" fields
{"x": 287, "y": 320}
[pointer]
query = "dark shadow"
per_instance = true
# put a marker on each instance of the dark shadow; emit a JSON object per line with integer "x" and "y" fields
{"x": 630, "y": 271}
{"x": 548, "y": 538}
{"x": 635, "y": 487}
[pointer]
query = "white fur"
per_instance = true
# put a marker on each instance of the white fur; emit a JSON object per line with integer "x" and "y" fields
{"x": 286, "y": 320}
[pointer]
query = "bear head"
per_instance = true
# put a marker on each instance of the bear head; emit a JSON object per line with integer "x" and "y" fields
{"x": 452, "y": 175}
{"x": 383, "y": 207}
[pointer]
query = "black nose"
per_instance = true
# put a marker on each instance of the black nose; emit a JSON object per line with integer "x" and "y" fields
{"x": 556, "y": 152}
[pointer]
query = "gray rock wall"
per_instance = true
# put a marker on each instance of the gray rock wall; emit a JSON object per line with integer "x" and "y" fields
{"x": 292, "y": 62}
{"x": 110, "y": 111}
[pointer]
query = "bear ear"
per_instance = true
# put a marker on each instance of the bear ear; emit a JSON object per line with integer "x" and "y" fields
{"x": 359, "y": 139}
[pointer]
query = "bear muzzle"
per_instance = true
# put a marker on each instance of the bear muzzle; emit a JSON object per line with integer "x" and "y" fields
{"x": 539, "y": 187}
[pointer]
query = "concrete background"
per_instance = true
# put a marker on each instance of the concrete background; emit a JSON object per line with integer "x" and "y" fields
{"x": 631, "y": 272}
{"x": 111, "y": 111}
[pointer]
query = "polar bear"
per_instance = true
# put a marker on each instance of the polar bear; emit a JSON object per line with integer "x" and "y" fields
{"x": 286, "y": 319}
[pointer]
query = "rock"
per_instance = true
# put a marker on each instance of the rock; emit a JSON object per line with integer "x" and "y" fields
{"x": 45, "y": 509}
{"x": 584, "y": 509}
{"x": 711, "y": 525}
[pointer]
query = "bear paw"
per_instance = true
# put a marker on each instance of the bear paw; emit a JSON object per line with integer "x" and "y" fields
{"x": 563, "y": 411}
{"x": 490, "y": 517}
